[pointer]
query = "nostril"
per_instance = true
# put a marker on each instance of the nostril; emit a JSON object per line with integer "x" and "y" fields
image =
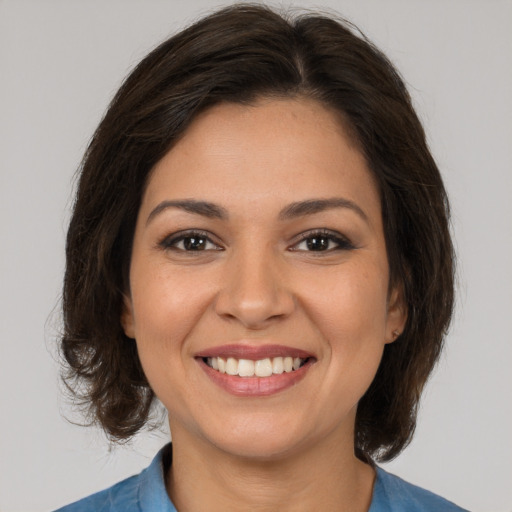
{"x": 254, "y": 293}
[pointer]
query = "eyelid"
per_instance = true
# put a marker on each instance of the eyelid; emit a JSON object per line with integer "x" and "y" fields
{"x": 344, "y": 243}
{"x": 169, "y": 241}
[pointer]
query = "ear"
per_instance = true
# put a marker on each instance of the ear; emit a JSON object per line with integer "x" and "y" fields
{"x": 397, "y": 314}
{"x": 127, "y": 319}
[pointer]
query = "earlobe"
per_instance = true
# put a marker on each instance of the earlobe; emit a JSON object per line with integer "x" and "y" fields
{"x": 397, "y": 315}
{"x": 127, "y": 321}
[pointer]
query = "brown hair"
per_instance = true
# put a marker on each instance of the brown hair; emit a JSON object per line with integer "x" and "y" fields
{"x": 239, "y": 54}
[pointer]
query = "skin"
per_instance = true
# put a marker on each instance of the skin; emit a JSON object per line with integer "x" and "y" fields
{"x": 257, "y": 282}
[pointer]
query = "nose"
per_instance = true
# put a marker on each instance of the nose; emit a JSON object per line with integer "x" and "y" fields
{"x": 254, "y": 291}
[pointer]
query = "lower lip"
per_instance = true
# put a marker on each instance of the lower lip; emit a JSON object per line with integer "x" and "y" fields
{"x": 256, "y": 386}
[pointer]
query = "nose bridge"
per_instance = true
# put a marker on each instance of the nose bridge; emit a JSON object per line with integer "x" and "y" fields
{"x": 254, "y": 290}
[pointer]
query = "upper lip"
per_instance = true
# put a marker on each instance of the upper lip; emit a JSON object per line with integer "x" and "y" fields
{"x": 253, "y": 352}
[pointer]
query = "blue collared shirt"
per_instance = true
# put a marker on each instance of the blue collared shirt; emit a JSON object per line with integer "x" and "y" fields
{"x": 146, "y": 492}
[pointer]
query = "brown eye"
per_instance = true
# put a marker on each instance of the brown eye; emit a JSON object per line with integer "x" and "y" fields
{"x": 194, "y": 243}
{"x": 317, "y": 243}
{"x": 321, "y": 241}
{"x": 190, "y": 241}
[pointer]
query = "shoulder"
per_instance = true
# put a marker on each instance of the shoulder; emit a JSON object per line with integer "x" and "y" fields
{"x": 143, "y": 492}
{"x": 120, "y": 497}
{"x": 391, "y": 493}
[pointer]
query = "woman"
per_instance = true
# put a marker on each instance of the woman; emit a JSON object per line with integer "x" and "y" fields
{"x": 260, "y": 240}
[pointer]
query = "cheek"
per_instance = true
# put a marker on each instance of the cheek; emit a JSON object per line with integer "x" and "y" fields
{"x": 166, "y": 312}
{"x": 350, "y": 304}
{"x": 350, "y": 311}
{"x": 166, "y": 308}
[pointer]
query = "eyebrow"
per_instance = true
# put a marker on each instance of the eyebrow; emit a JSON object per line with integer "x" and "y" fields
{"x": 312, "y": 206}
{"x": 293, "y": 210}
{"x": 203, "y": 208}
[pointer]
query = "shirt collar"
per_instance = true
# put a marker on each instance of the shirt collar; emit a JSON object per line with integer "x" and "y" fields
{"x": 152, "y": 493}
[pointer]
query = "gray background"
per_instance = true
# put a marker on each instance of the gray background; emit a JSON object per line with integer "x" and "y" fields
{"x": 60, "y": 63}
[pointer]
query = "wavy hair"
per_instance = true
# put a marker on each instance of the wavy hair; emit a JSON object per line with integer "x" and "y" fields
{"x": 240, "y": 54}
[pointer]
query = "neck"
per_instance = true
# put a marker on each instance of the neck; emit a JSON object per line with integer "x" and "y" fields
{"x": 326, "y": 477}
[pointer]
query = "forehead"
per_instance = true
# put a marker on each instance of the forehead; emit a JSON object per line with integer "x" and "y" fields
{"x": 273, "y": 152}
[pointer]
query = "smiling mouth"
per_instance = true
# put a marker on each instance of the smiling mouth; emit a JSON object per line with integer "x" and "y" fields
{"x": 246, "y": 368}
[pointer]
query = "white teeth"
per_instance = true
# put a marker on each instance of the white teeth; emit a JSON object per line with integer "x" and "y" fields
{"x": 260, "y": 368}
{"x": 245, "y": 368}
{"x": 232, "y": 366}
{"x": 277, "y": 365}
{"x": 263, "y": 368}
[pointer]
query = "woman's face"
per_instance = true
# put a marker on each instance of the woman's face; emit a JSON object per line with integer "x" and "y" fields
{"x": 259, "y": 280}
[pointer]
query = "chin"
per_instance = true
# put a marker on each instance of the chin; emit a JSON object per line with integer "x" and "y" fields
{"x": 259, "y": 448}
{"x": 259, "y": 438}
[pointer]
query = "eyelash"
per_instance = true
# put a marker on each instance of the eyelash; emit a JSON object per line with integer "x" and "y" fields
{"x": 342, "y": 243}
{"x": 170, "y": 242}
